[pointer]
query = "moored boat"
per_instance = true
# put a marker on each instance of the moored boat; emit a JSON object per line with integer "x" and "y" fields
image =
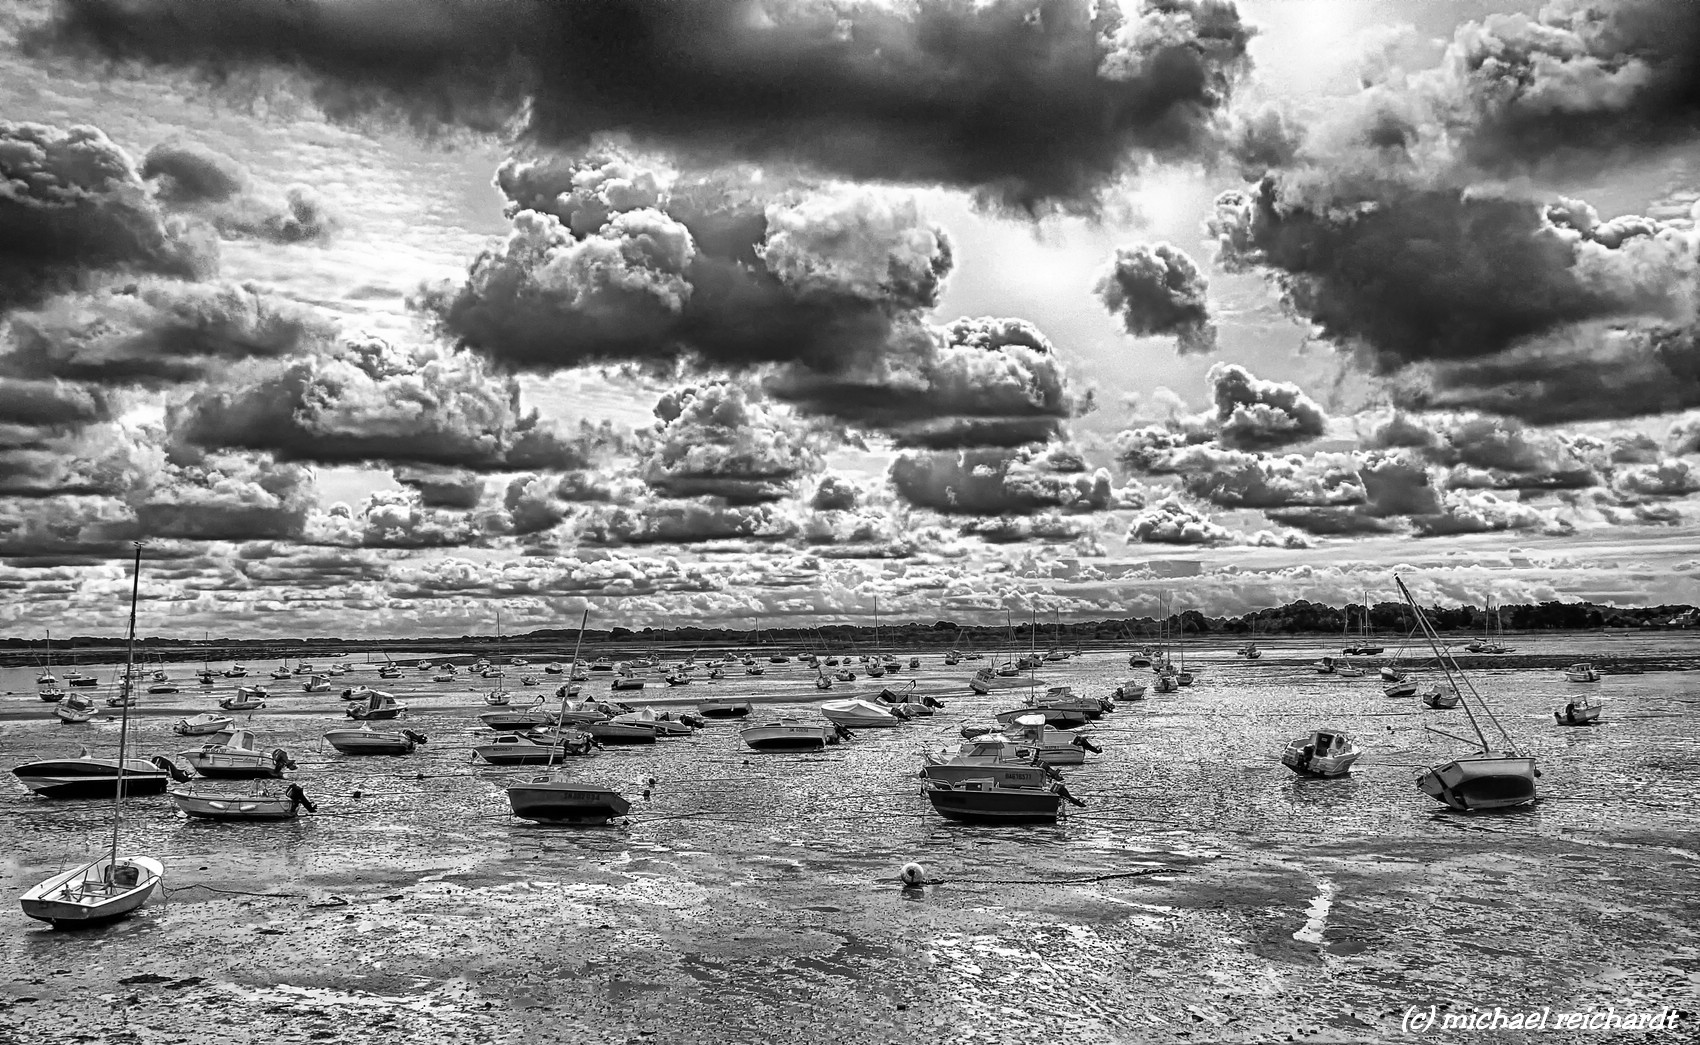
{"x": 74, "y": 709}
{"x": 1582, "y": 672}
{"x": 535, "y": 748}
{"x": 1439, "y": 699}
{"x": 260, "y": 800}
{"x": 368, "y": 741}
{"x": 104, "y": 889}
{"x": 234, "y": 754}
{"x": 88, "y": 777}
{"x": 856, "y": 713}
{"x": 550, "y": 801}
{"x": 518, "y": 719}
{"x": 203, "y": 724}
{"x": 377, "y": 705}
{"x": 723, "y": 708}
{"x": 791, "y": 734}
{"x": 1323, "y": 753}
{"x": 246, "y": 698}
{"x": 1578, "y": 713}
{"x": 981, "y": 799}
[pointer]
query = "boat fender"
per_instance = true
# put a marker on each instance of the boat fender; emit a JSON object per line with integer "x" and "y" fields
{"x": 913, "y": 874}
{"x": 417, "y": 738}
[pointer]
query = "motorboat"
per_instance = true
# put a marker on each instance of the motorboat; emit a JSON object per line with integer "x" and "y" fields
{"x": 529, "y": 680}
{"x": 75, "y": 709}
{"x": 518, "y": 719}
{"x": 1323, "y": 753}
{"x": 246, "y": 698}
{"x": 664, "y": 724}
{"x": 676, "y": 678}
{"x": 553, "y": 668}
{"x": 535, "y": 748}
{"x": 369, "y": 741}
{"x": 983, "y": 799}
{"x": 601, "y": 664}
{"x": 1166, "y": 683}
{"x": 281, "y": 673}
{"x": 1058, "y": 717}
{"x": 1051, "y": 746}
{"x": 1064, "y": 698}
{"x": 164, "y": 687}
{"x": 723, "y": 708}
{"x": 260, "y": 800}
{"x": 856, "y": 713}
{"x": 203, "y": 724}
{"x": 236, "y": 671}
{"x": 1405, "y": 687}
{"x": 78, "y": 680}
{"x": 377, "y": 705}
{"x": 581, "y": 711}
{"x": 626, "y": 679}
{"x": 317, "y": 684}
{"x": 124, "y": 698}
{"x": 88, "y": 777}
{"x": 101, "y": 890}
{"x": 1582, "y": 672}
{"x": 792, "y": 734}
{"x": 992, "y": 756}
{"x": 952, "y": 658}
{"x": 234, "y": 754}
{"x": 844, "y": 675}
{"x": 390, "y": 671}
{"x": 917, "y": 704}
{"x": 1249, "y": 651}
{"x": 1486, "y": 779}
{"x": 755, "y": 669}
{"x": 304, "y": 668}
{"x": 610, "y": 732}
{"x": 1439, "y": 699}
{"x": 1130, "y": 690}
{"x": 1578, "y": 713}
{"x": 550, "y": 801}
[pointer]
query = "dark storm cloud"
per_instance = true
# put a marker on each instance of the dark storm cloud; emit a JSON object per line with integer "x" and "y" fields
{"x": 1252, "y": 414}
{"x": 157, "y": 333}
{"x": 72, "y": 201}
{"x": 227, "y": 499}
{"x": 370, "y": 401}
{"x": 54, "y": 406}
{"x": 835, "y": 493}
{"x": 1029, "y": 100}
{"x": 1159, "y": 290}
{"x": 716, "y": 440}
{"x": 213, "y": 186}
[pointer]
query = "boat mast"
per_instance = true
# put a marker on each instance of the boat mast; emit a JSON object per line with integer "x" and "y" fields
{"x": 567, "y": 687}
{"x": 1445, "y": 659}
{"x": 124, "y": 708}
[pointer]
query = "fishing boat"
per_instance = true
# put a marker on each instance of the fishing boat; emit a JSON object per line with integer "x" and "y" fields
{"x": 377, "y": 705}
{"x": 203, "y": 724}
{"x": 369, "y": 741}
{"x": 1485, "y": 779}
{"x": 113, "y": 884}
{"x": 246, "y": 698}
{"x": 792, "y": 734}
{"x": 75, "y": 709}
{"x": 234, "y": 754}
{"x": 1439, "y": 699}
{"x": 982, "y": 799}
{"x": 856, "y": 713}
{"x": 1578, "y": 713}
{"x": 1323, "y": 753}
{"x": 259, "y": 800}
{"x": 1582, "y": 671}
{"x": 723, "y": 708}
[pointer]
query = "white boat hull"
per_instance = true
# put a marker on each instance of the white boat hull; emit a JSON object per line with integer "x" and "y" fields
{"x": 207, "y": 804}
{"x": 789, "y": 736}
{"x": 1484, "y": 782}
{"x": 83, "y": 895}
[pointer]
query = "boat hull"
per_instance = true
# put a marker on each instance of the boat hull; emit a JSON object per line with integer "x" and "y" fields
{"x": 797, "y": 737}
{"x": 1397, "y": 690}
{"x": 1469, "y": 784}
{"x": 233, "y": 767}
{"x": 1056, "y": 718}
{"x": 91, "y": 778}
{"x": 1440, "y": 701}
{"x": 1585, "y": 716}
{"x": 80, "y": 897}
{"x": 370, "y": 742}
{"x": 216, "y": 805}
{"x": 978, "y": 801}
{"x": 549, "y": 802}
{"x": 619, "y": 732}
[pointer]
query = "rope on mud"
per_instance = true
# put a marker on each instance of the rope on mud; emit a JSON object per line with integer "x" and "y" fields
{"x": 1144, "y": 872}
{"x": 232, "y": 892}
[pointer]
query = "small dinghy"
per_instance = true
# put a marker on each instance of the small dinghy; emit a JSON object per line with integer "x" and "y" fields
{"x": 1059, "y": 718}
{"x": 550, "y": 801}
{"x": 1324, "y": 753}
{"x": 535, "y": 748}
{"x": 724, "y": 708}
{"x": 792, "y": 734}
{"x": 369, "y": 741}
{"x": 204, "y": 724}
{"x": 856, "y": 713}
{"x": 101, "y": 890}
{"x": 1578, "y": 713}
{"x": 246, "y": 698}
{"x": 233, "y": 754}
{"x": 377, "y": 705}
{"x": 1440, "y": 700}
{"x": 259, "y": 801}
{"x": 1404, "y": 687}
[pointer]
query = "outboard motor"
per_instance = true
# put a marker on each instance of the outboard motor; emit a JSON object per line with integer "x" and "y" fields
{"x": 1070, "y": 799}
{"x": 298, "y": 799}
{"x": 970, "y": 732}
{"x": 693, "y": 721}
{"x": 417, "y": 738}
{"x": 281, "y": 760}
{"x": 177, "y": 773}
{"x": 1087, "y": 744}
{"x": 843, "y": 733}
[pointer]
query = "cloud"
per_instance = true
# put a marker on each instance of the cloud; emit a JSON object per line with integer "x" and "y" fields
{"x": 1683, "y": 436}
{"x": 443, "y": 487}
{"x": 196, "y": 179}
{"x": 1171, "y": 522}
{"x": 1252, "y": 414}
{"x": 715, "y": 440}
{"x": 686, "y": 523}
{"x": 393, "y": 519}
{"x": 835, "y": 493}
{"x": 158, "y": 333}
{"x": 1235, "y": 479}
{"x": 1001, "y": 482}
{"x": 1667, "y": 478}
{"x": 371, "y": 401}
{"x": 1481, "y": 512}
{"x": 227, "y": 498}
{"x": 1028, "y": 101}
{"x": 73, "y": 203}
{"x": 82, "y": 460}
{"x": 1157, "y": 289}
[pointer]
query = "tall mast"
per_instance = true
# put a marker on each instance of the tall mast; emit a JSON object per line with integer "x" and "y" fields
{"x": 124, "y": 707}
{"x": 567, "y": 686}
{"x": 1447, "y": 665}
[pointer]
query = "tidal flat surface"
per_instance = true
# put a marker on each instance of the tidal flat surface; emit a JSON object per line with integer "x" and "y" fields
{"x": 1204, "y": 894}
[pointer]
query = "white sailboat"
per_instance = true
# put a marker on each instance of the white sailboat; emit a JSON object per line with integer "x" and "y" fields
{"x": 1486, "y": 779}
{"x": 111, "y": 885}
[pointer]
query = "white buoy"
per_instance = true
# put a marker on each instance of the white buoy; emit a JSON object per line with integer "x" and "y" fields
{"x": 914, "y": 874}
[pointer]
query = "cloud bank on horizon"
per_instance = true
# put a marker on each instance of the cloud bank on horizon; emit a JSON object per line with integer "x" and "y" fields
{"x": 718, "y": 213}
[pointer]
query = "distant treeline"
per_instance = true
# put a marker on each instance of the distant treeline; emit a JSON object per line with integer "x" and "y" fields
{"x": 1296, "y": 618}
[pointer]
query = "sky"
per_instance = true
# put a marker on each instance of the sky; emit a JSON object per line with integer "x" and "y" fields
{"x": 378, "y": 318}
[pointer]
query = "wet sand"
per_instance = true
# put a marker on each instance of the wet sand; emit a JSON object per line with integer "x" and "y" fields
{"x": 1204, "y": 894}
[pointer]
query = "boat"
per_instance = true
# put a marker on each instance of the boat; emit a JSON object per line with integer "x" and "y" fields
{"x": 1051, "y": 746}
{"x": 496, "y": 698}
{"x": 1132, "y": 689}
{"x": 916, "y": 704}
{"x": 1578, "y": 713}
{"x": 1249, "y": 651}
{"x": 281, "y": 673}
{"x": 113, "y": 884}
{"x": 78, "y": 680}
{"x": 607, "y": 731}
{"x": 1492, "y": 641}
{"x": 390, "y": 671}
{"x": 1403, "y": 687}
{"x": 203, "y": 724}
{"x": 47, "y": 679}
{"x": 377, "y": 705}
{"x": 246, "y": 698}
{"x": 1323, "y": 753}
{"x": 1166, "y": 683}
{"x": 790, "y": 733}
{"x": 1364, "y": 646}
{"x": 233, "y": 754}
{"x": 518, "y": 720}
{"x": 663, "y": 724}
{"x": 304, "y": 668}
{"x": 990, "y": 756}
{"x": 88, "y": 777}
{"x": 535, "y": 748}
{"x": 856, "y": 713}
{"x": 260, "y": 800}
{"x": 1063, "y": 698}
{"x": 1338, "y": 666}
{"x": 1485, "y": 779}
{"x": 723, "y": 708}
{"x": 1582, "y": 671}
{"x": 674, "y": 678}
{"x": 553, "y": 668}
{"x": 317, "y": 684}
{"x": 236, "y": 671}
{"x": 982, "y": 799}
{"x": 626, "y": 679}
{"x": 369, "y": 741}
{"x": 75, "y": 708}
{"x": 552, "y": 800}
{"x": 601, "y": 664}
{"x": 844, "y": 675}
{"x": 1439, "y": 699}
{"x": 1058, "y": 717}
